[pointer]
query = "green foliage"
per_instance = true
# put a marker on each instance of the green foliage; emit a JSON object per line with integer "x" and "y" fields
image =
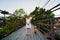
{"x": 39, "y": 14}
{"x": 19, "y": 12}
{"x": 57, "y": 37}
{"x": 16, "y": 21}
{"x": 13, "y": 24}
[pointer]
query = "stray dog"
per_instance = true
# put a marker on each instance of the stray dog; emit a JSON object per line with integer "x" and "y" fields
{"x": 35, "y": 29}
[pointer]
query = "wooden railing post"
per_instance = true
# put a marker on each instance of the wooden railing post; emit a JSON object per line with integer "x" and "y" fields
{"x": 52, "y": 34}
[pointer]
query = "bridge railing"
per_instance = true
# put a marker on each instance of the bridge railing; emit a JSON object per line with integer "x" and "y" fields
{"x": 47, "y": 30}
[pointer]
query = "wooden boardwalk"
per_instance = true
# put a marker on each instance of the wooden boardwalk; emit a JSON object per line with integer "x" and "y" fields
{"x": 21, "y": 35}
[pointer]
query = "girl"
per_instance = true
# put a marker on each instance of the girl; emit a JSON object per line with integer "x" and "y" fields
{"x": 28, "y": 25}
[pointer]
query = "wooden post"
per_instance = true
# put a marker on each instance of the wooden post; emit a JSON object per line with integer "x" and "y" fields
{"x": 47, "y": 23}
{"x": 52, "y": 30}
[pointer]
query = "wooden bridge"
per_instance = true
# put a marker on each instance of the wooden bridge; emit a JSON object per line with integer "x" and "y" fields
{"x": 21, "y": 35}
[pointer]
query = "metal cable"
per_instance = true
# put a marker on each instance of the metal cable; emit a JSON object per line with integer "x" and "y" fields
{"x": 46, "y": 3}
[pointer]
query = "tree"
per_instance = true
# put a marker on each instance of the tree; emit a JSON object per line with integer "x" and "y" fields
{"x": 38, "y": 18}
{"x": 39, "y": 14}
{"x": 19, "y": 12}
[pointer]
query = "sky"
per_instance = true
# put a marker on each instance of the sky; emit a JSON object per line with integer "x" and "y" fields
{"x": 27, "y": 5}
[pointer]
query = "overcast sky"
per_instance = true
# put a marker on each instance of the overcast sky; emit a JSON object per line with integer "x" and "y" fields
{"x": 27, "y": 5}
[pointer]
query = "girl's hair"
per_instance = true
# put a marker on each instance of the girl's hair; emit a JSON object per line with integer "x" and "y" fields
{"x": 28, "y": 16}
